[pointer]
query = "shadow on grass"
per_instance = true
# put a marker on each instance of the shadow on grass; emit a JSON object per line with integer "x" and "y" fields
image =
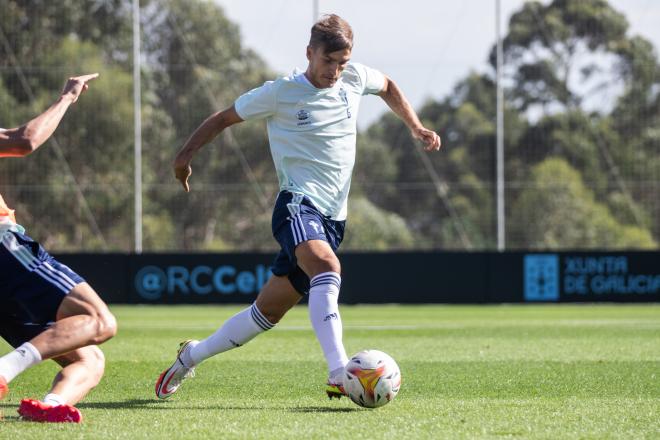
{"x": 8, "y": 414}
{"x": 154, "y": 404}
{"x": 177, "y": 405}
{"x": 313, "y": 409}
{"x": 121, "y": 404}
{"x": 9, "y": 409}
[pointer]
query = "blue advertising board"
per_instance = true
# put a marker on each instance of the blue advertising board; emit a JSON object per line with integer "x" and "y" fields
{"x": 398, "y": 277}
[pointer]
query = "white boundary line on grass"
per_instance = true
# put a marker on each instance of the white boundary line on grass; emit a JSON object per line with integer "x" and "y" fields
{"x": 646, "y": 324}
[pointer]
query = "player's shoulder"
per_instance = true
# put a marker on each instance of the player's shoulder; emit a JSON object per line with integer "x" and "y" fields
{"x": 275, "y": 84}
{"x": 353, "y": 68}
{"x": 283, "y": 83}
{"x": 358, "y": 68}
{"x": 269, "y": 88}
{"x": 354, "y": 73}
{"x": 293, "y": 86}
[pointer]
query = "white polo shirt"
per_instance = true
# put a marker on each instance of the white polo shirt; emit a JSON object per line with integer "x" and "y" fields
{"x": 312, "y": 132}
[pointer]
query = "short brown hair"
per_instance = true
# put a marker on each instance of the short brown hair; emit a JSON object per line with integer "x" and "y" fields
{"x": 333, "y": 33}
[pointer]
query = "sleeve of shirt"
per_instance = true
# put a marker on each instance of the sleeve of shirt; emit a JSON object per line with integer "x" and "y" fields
{"x": 373, "y": 81}
{"x": 257, "y": 103}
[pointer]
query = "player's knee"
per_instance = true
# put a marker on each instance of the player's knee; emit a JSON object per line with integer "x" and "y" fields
{"x": 334, "y": 265}
{"x": 106, "y": 326}
{"x": 109, "y": 325}
{"x": 326, "y": 263}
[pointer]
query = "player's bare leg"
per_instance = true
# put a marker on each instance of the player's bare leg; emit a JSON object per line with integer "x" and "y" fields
{"x": 277, "y": 296}
{"x": 82, "y": 370}
{"x": 316, "y": 257}
{"x": 82, "y": 319}
{"x": 319, "y": 262}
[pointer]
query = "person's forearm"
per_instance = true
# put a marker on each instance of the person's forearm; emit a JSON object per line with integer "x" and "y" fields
{"x": 395, "y": 99}
{"x": 205, "y": 133}
{"x": 39, "y": 129}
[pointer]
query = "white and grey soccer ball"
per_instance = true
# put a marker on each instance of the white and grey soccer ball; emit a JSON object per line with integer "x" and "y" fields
{"x": 372, "y": 378}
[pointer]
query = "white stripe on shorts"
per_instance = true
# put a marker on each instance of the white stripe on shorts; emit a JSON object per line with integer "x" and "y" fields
{"x": 298, "y": 229}
{"x": 302, "y": 227}
{"x": 294, "y": 231}
{"x": 59, "y": 278}
{"x": 45, "y": 270}
{"x": 60, "y": 273}
{"x": 52, "y": 279}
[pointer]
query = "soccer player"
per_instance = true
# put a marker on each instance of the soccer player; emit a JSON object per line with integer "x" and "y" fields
{"x": 47, "y": 311}
{"x": 311, "y": 119}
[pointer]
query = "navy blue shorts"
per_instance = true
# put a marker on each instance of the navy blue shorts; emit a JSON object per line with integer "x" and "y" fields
{"x": 32, "y": 286}
{"x": 296, "y": 219}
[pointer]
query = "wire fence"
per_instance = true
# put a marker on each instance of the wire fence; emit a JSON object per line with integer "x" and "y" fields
{"x": 581, "y": 131}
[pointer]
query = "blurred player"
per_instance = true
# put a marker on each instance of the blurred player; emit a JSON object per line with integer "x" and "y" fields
{"x": 47, "y": 311}
{"x": 311, "y": 118}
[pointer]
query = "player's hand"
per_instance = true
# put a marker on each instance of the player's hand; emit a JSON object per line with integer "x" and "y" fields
{"x": 76, "y": 85}
{"x": 429, "y": 138}
{"x": 182, "y": 172}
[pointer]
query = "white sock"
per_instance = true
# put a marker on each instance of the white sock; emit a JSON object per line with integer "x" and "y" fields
{"x": 236, "y": 331}
{"x": 324, "y": 314}
{"x": 14, "y": 363}
{"x": 54, "y": 399}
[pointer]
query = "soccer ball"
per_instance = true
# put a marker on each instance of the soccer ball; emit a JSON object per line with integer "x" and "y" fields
{"x": 372, "y": 378}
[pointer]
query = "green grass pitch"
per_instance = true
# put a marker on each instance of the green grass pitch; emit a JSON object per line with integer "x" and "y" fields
{"x": 546, "y": 371}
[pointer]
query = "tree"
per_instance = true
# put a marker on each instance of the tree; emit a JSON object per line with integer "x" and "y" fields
{"x": 198, "y": 66}
{"x": 561, "y": 213}
{"x": 451, "y": 204}
{"x": 559, "y": 57}
{"x": 193, "y": 64}
{"x": 552, "y": 51}
{"x": 372, "y": 228}
{"x": 82, "y": 167}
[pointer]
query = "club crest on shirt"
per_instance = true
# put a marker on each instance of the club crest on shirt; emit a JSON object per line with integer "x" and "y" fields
{"x": 303, "y": 116}
{"x": 315, "y": 225}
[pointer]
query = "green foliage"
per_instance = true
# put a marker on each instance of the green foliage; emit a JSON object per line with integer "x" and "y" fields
{"x": 7, "y": 107}
{"x": 89, "y": 150}
{"x": 560, "y": 212}
{"x": 199, "y": 67}
{"x": 194, "y": 65}
{"x": 558, "y": 54}
{"x": 546, "y": 44}
{"x": 372, "y": 228}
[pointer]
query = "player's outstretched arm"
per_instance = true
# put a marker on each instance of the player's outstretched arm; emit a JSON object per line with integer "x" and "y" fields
{"x": 205, "y": 133}
{"x": 25, "y": 139}
{"x": 396, "y": 100}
